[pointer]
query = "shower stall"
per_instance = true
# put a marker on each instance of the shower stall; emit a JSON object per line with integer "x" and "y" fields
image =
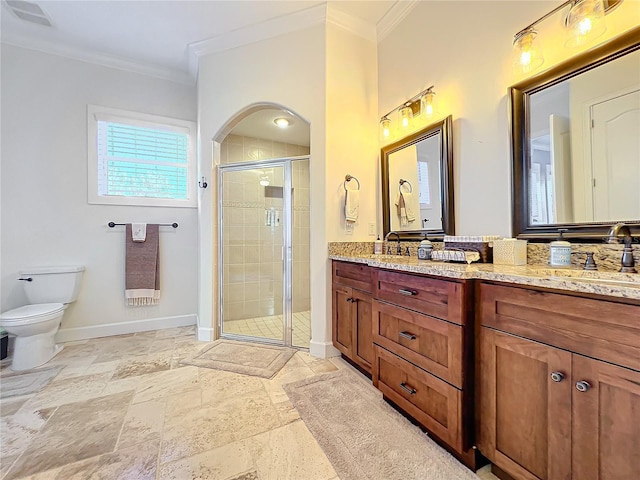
{"x": 264, "y": 251}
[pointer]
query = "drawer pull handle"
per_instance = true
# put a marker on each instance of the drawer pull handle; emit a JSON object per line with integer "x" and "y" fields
{"x": 407, "y": 335}
{"x": 351, "y": 299}
{"x": 409, "y": 390}
{"x": 409, "y": 293}
{"x": 557, "y": 376}
{"x": 583, "y": 386}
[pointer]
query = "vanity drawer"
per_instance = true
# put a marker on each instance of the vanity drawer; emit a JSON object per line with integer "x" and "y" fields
{"x": 355, "y": 275}
{"x": 602, "y": 329}
{"x": 432, "y": 296}
{"x": 432, "y": 402}
{"x": 432, "y": 344}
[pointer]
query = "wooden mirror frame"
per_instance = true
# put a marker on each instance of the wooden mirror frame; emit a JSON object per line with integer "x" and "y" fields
{"x": 519, "y": 110}
{"x": 444, "y": 128}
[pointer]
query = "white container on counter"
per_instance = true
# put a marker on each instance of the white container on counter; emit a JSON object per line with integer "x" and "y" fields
{"x": 560, "y": 252}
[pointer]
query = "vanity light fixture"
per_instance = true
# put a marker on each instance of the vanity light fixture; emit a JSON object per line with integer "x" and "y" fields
{"x": 282, "y": 122}
{"x": 584, "y": 21}
{"x": 420, "y": 104}
{"x": 264, "y": 180}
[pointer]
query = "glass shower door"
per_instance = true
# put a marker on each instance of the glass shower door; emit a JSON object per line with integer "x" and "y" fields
{"x": 252, "y": 217}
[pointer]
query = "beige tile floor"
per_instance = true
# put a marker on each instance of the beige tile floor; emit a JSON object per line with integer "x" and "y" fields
{"x": 125, "y": 408}
{"x": 272, "y": 327}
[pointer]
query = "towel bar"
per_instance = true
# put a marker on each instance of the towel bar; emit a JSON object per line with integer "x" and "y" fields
{"x": 348, "y": 178}
{"x": 174, "y": 225}
{"x": 402, "y": 182}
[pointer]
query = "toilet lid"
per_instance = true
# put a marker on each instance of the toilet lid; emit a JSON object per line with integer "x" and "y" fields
{"x": 30, "y": 311}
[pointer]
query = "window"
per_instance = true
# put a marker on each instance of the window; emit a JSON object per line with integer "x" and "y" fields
{"x": 139, "y": 159}
{"x": 423, "y": 183}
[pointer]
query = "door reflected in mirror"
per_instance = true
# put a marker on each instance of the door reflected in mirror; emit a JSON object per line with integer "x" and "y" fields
{"x": 416, "y": 175}
{"x": 585, "y": 148}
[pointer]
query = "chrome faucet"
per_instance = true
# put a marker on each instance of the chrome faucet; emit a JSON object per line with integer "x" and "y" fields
{"x": 399, "y": 247}
{"x": 620, "y": 233}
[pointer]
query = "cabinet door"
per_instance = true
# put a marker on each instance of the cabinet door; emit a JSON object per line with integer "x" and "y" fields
{"x": 343, "y": 319}
{"x": 606, "y": 421}
{"x": 525, "y": 416}
{"x": 363, "y": 330}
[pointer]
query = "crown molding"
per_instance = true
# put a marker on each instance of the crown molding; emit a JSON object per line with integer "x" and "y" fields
{"x": 103, "y": 59}
{"x": 254, "y": 33}
{"x": 394, "y": 16}
{"x": 351, "y": 24}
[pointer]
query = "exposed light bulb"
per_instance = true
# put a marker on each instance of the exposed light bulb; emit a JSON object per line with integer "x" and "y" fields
{"x": 585, "y": 22}
{"x": 426, "y": 102}
{"x": 584, "y": 27}
{"x": 527, "y": 51}
{"x": 405, "y": 116}
{"x": 385, "y": 123}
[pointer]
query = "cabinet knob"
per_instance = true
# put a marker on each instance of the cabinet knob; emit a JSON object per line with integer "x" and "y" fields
{"x": 557, "y": 376}
{"x": 582, "y": 386}
{"x": 351, "y": 299}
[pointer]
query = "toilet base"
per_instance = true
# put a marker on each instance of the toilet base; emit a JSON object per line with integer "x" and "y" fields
{"x": 35, "y": 350}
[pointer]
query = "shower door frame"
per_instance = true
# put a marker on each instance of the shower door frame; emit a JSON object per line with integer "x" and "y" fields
{"x": 287, "y": 243}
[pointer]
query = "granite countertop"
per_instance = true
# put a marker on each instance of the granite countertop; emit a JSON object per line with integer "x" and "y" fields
{"x": 614, "y": 284}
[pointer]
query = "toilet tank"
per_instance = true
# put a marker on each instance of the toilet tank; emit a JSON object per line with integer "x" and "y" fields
{"x": 52, "y": 284}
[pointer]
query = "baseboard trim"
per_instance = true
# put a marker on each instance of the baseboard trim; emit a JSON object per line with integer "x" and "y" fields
{"x": 123, "y": 328}
{"x": 205, "y": 334}
{"x": 323, "y": 349}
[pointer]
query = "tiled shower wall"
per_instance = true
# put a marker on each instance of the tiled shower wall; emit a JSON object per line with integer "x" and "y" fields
{"x": 252, "y": 252}
{"x": 236, "y": 148}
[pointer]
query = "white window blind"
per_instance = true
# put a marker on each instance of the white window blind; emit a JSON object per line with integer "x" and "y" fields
{"x": 139, "y": 160}
{"x": 423, "y": 183}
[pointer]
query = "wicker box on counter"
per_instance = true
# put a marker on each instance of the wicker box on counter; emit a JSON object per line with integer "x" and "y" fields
{"x": 483, "y": 244}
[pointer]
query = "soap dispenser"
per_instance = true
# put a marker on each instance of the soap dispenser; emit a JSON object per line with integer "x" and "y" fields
{"x": 560, "y": 251}
{"x": 425, "y": 249}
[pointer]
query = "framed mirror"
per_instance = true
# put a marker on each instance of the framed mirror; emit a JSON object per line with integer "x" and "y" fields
{"x": 417, "y": 183}
{"x": 575, "y": 133}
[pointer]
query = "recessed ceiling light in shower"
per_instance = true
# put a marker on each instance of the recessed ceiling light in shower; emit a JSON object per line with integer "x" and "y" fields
{"x": 282, "y": 122}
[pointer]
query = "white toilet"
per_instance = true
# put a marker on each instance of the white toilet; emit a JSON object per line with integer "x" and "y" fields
{"x": 50, "y": 290}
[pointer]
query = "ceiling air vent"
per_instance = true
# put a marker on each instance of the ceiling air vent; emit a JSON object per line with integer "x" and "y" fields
{"x": 29, "y": 12}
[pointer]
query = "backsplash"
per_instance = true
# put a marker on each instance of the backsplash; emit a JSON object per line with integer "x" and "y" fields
{"x": 607, "y": 257}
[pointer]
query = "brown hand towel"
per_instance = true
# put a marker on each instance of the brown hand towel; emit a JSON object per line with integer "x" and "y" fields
{"x": 142, "y": 268}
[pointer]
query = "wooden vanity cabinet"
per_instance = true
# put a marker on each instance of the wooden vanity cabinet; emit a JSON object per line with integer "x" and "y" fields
{"x": 559, "y": 385}
{"x": 352, "y": 312}
{"x": 423, "y": 338}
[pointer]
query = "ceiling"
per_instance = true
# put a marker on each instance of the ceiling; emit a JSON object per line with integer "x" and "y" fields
{"x": 163, "y": 37}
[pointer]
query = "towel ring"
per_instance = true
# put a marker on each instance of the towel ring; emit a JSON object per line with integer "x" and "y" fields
{"x": 402, "y": 182}
{"x": 348, "y": 178}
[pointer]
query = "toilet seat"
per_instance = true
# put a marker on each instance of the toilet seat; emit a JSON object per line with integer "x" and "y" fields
{"x": 29, "y": 314}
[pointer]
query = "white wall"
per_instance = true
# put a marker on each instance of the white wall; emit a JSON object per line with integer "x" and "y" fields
{"x": 328, "y": 77}
{"x": 464, "y": 49}
{"x": 287, "y": 70}
{"x": 46, "y": 219}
